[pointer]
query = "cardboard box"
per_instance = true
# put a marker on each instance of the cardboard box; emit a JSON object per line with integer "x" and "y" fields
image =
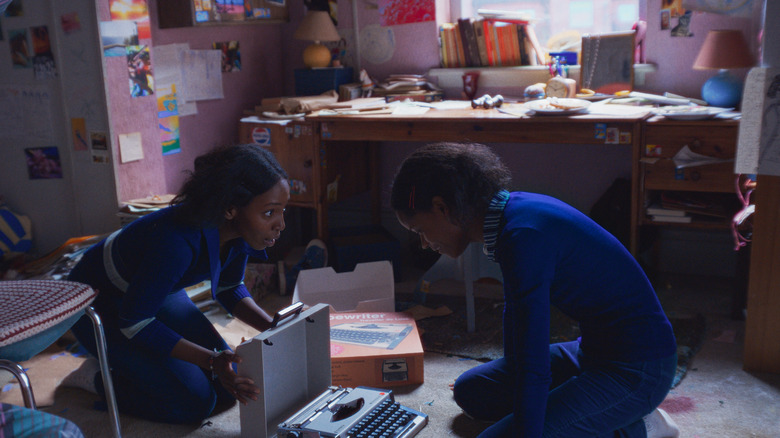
{"x": 369, "y": 288}
{"x": 361, "y": 244}
{"x": 375, "y": 349}
{"x": 371, "y": 344}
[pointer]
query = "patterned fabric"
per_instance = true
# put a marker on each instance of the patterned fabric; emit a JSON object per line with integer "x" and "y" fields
{"x": 29, "y": 307}
{"x": 490, "y": 227}
{"x": 15, "y": 232}
{"x": 18, "y": 422}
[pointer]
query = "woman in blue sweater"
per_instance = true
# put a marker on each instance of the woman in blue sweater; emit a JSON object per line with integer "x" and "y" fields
{"x": 607, "y": 383}
{"x": 168, "y": 362}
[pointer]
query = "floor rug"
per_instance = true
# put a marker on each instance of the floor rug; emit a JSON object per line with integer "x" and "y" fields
{"x": 447, "y": 334}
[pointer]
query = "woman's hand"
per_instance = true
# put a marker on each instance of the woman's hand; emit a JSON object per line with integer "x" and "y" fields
{"x": 242, "y": 388}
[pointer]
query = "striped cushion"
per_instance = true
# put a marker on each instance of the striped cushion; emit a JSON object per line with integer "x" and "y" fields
{"x": 29, "y": 307}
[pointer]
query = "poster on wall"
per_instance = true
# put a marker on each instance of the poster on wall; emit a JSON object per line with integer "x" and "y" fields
{"x": 231, "y": 57}
{"x": 78, "y": 130}
{"x": 20, "y": 48}
{"x": 43, "y": 163}
{"x": 393, "y": 12}
{"x": 70, "y": 23}
{"x": 734, "y": 8}
{"x": 43, "y": 59}
{"x": 139, "y": 70}
{"x": 116, "y": 35}
{"x": 132, "y": 10}
{"x": 168, "y": 120}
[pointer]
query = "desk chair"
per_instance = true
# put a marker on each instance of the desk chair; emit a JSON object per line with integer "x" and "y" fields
{"x": 33, "y": 315}
{"x": 469, "y": 267}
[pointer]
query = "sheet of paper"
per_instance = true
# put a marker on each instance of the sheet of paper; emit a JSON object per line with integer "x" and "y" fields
{"x": 201, "y": 74}
{"x": 168, "y": 71}
{"x": 758, "y": 142}
{"x": 130, "y": 147}
{"x": 685, "y": 157}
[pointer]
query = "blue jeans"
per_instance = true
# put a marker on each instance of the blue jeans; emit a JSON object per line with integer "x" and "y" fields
{"x": 158, "y": 389}
{"x": 588, "y": 398}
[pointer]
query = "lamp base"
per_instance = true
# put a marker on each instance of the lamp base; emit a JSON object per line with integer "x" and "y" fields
{"x": 316, "y": 55}
{"x": 723, "y": 90}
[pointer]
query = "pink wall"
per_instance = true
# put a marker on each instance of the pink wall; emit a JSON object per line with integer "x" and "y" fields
{"x": 261, "y": 75}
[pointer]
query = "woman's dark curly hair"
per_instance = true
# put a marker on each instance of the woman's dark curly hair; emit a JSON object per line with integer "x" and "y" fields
{"x": 465, "y": 175}
{"x": 226, "y": 177}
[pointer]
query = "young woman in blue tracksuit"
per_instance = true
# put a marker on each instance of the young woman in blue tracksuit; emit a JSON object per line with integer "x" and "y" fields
{"x": 168, "y": 362}
{"x": 607, "y": 383}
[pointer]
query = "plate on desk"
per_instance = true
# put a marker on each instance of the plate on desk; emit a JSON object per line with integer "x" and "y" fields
{"x": 557, "y": 106}
{"x": 688, "y": 112}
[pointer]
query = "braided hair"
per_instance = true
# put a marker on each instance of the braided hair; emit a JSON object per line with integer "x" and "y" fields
{"x": 226, "y": 177}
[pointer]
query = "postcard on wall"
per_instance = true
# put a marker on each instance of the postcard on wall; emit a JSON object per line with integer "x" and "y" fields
{"x": 20, "y": 48}
{"x": 130, "y": 147}
{"x": 43, "y": 59}
{"x": 78, "y": 130}
{"x": 99, "y": 141}
{"x": 43, "y": 163}
{"x": 70, "y": 23}
{"x": 231, "y": 57}
{"x": 168, "y": 120}
{"x": 393, "y": 12}
{"x": 116, "y": 35}
{"x": 129, "y": 9}
{"x": 139, "y": 70}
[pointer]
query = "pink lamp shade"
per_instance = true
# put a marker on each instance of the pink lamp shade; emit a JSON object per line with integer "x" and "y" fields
{"x": 723, "y": 50}
{"x": 317, "y": 26}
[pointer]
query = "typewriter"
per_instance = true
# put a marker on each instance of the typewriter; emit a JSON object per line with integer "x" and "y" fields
{"x": 353, "y": 413}
{"x": 290, "y": 363}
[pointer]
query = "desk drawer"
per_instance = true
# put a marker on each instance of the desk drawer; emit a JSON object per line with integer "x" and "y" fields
{"x": 663, "y": 142}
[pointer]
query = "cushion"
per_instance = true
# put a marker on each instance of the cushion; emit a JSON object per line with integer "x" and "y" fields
{"x": 29, "y": 307}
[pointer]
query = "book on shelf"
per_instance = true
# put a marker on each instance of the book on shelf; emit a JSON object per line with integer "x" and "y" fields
{"x": 671, "y": 218}
{"x": 490, "y": 42}
{"x": 657, "y": 209}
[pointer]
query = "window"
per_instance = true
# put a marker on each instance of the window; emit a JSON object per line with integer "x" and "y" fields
{"x": 551, "y": 17}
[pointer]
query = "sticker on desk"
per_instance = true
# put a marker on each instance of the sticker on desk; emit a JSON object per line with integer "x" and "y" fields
{"x": 297, "y": 187}
{"x": 653, "y": 150}
{"x": 601, "y": 131}
{"x": 625, "y": 137}
{"x": 613, "y": 135}
{"x": 261, "y": 136}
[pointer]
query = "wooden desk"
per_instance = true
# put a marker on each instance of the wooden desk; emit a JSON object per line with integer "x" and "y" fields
{"x": 482, "y": 126}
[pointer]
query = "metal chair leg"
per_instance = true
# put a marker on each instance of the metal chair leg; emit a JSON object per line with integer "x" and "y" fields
{"x": 108, "y": 385}
{"x": 24, "y": 381}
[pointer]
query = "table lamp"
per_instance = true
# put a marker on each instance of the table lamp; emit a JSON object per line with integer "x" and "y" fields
{"x": 723, "y": 50}
{"x": 317, "y": 26}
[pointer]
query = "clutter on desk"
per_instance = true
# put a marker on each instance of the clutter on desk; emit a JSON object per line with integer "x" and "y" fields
{"x": 399, "y": 87}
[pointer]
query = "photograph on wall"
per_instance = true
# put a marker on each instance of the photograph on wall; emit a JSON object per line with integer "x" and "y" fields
{"x": 43, "y": 59}
{"x": 70, "y": 23}
{"x": 134, "y": 10}
{"x": 116, "y": 35}
{"x": 231, "y": 57}
{"x": 43, "y": 163}
{"x": 675, "y": 7}
{"x": 99, "y": 141}
{"x": 20, "y": 48}
{"x": 393, "y": 12}
{"x": 168, "y": 120}
{"x": 139, "y": 70}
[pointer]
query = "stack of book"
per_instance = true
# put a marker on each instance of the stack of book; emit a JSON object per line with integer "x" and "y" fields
{"x": 491, "y": 40}
{"x": 660, "y": 214}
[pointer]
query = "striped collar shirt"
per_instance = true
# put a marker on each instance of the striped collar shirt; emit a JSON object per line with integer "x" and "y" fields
{"x": 492, "y": 223}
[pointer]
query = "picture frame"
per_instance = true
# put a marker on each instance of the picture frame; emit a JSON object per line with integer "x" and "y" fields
{"x": 607, "y": 64}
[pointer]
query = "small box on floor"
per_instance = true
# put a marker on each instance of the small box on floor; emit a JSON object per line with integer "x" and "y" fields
{"x": 370, "y": 344}
{"x": 375, "y": 349}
